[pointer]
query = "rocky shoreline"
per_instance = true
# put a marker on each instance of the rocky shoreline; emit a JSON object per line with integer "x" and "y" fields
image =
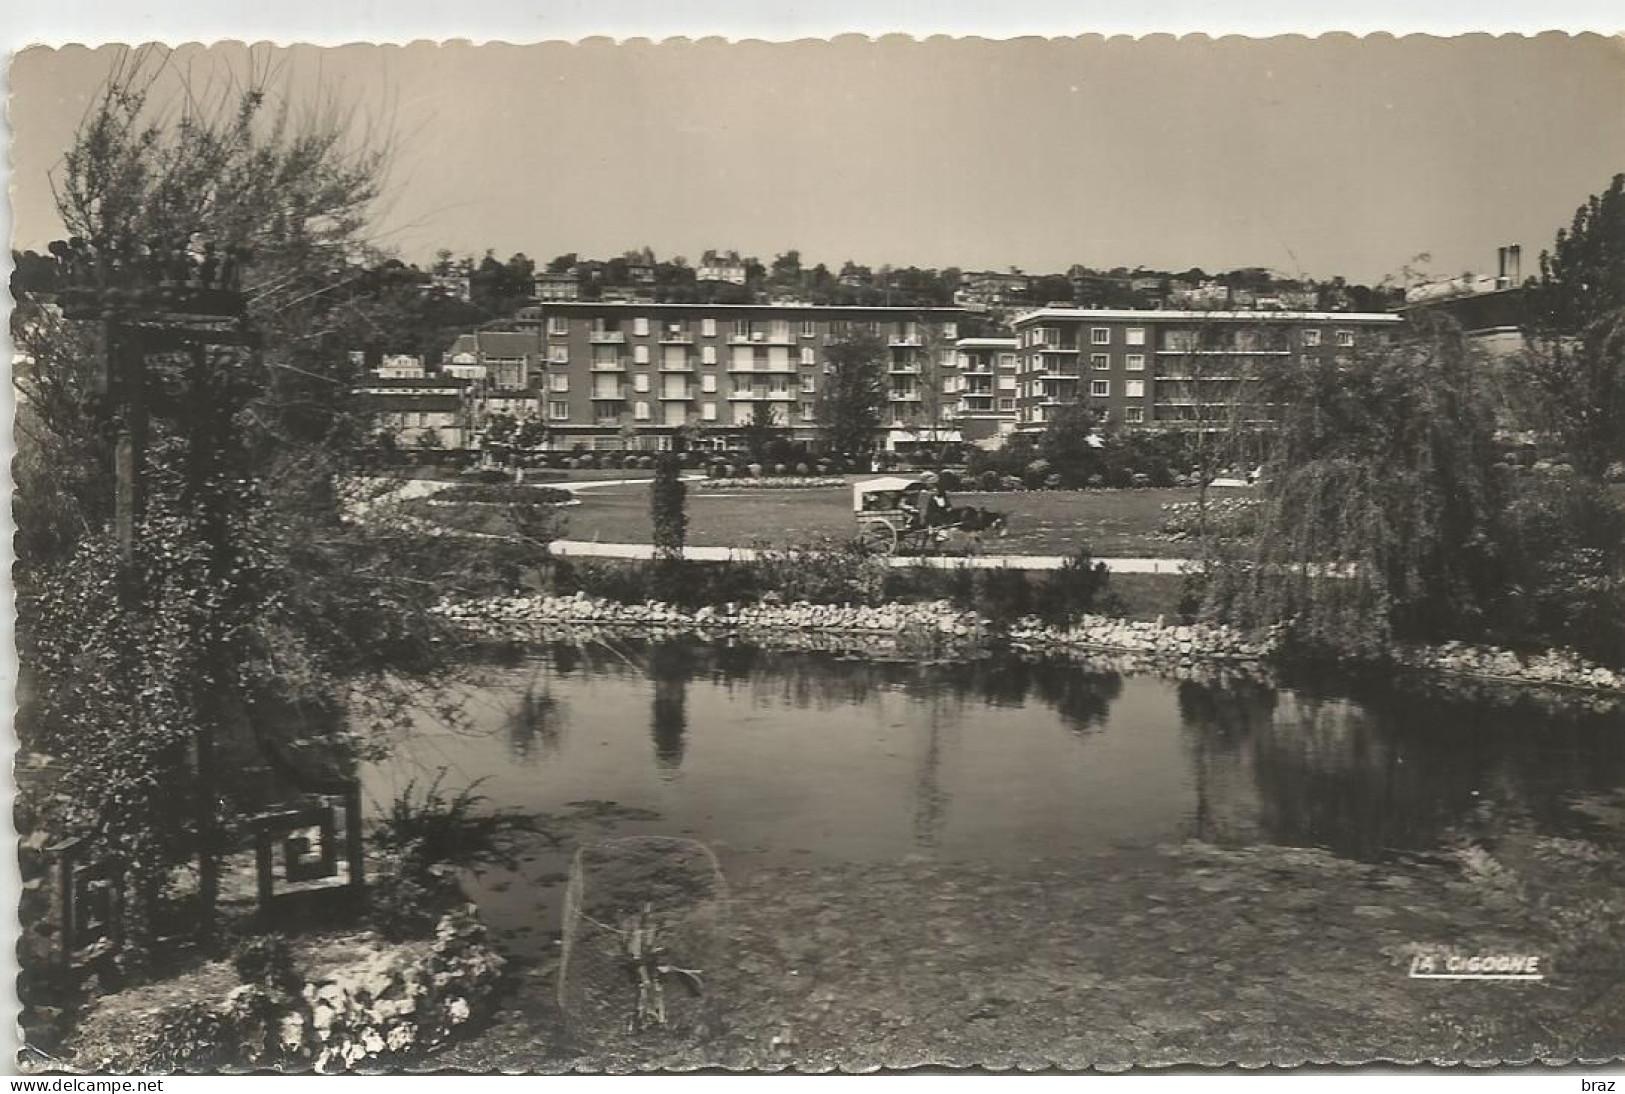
{"x": 940, "y": 622}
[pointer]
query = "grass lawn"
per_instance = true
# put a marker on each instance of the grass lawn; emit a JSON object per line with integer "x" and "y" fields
{"x": 1111, "y": 523}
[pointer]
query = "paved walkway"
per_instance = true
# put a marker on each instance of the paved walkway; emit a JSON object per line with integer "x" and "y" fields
{"x": 581, "y": 548}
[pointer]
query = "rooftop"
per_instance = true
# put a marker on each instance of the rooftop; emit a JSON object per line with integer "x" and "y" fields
{"x": 1211, "y": 316}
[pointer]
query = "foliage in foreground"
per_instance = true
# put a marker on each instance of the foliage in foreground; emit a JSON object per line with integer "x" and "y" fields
{"x": 383, "y": 1008}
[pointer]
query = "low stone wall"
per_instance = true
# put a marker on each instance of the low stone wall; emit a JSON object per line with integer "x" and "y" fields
{"x": 1158, "y": 643}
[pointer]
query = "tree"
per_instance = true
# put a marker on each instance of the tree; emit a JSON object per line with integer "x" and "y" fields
{"x": 252, "y": 597}
{"x": 1379, "y": 513}
{"x": 1069, "y": 443}
{"x": 852, "y": 401}
{"x": 1576, "y": 359}
{"x": 761, "y": 429}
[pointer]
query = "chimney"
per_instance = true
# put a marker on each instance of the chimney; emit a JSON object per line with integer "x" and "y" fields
{"x": 1511, "y": 264}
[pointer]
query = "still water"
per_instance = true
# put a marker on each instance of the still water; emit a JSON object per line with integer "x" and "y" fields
{"x": 780, "y": 756}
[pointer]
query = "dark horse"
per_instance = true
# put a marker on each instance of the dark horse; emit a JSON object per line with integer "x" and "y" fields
{"x": 975, "y": 520}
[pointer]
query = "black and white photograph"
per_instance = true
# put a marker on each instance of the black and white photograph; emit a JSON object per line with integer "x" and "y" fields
{"x": 1085, "y": 553}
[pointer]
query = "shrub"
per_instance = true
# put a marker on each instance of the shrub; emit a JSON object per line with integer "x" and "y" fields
{"x": 265, "y": 960}
{"x": 949, "y": 480}
{"x": 504, "y": 493}
{"x": 1035, "y": 473}
{"x": 755, "y": 470}
{"x": 825, "y": 571}
{"x": 989, "y": 481}
{"x": 1081, "y": 586}
{"x": 1003, "y": 595}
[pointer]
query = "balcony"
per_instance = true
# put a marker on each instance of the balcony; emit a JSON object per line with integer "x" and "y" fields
{"x": 1061, "y": 348}
{"x": 676, "y": 338}
{"x": 905, "y": 368}
{"x": 782, "y": 396}
{"x": 619, "y": 395}
{"x": 905, "y": 340}
{"x": 685, "y": 365}
{"x": 607, "y": 337}
{"x": 677, "y": 397}
{"x": 617, "y": 365}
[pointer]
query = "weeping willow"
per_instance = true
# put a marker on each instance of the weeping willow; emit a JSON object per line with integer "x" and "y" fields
{"x": 1379, "y": 504}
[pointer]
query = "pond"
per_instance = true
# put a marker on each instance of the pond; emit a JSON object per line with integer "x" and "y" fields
{"x": 779, "y": 757}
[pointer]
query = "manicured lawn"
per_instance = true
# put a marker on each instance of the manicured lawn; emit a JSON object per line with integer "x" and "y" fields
{"x": 1111, "y": 523}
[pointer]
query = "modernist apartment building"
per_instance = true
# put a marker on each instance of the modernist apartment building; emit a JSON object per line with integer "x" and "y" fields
{"x": 985, "y": 389}
{"x": 616, "y": 375}
{"x": 1169, "y": 368}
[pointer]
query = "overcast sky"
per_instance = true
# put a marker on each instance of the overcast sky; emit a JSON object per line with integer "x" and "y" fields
{"x": 1315, "y": 157}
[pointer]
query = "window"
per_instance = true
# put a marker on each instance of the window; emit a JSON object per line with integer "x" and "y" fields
{"x": 558, "y": 355}
{"x": 809, "y": 329}
{"x": 640, "y": 411}
{"x": 1134, "y": 389}
{"x": 950, "y": 330}
{"x": 1007, "y": 404}
{"x": 1345, "y": 338}
{"x": 1311, "y": 338}
{"x": 708, "y": 411}
{"x": 1135, "y": 336}
{"x": 640, "y": 355}
{"x": 708, "y": 354}
{"x": 708, "y": 383}
{"x": 1100, "y": 388}
{"x": 780, "y": 330}
{"x": 708, "y": 327}
{"x": 640, "y": 325}
{"x": 806, "y": 412}
{"x": 950, "y": 384}
{"x": 1136, "y": 362}
{"x": 1134, "y": 414}
{"x": 640, "y": 381}
{"x": 809, "y": 356}
{"x": 558, "y": 411}
{"x": 1100, "y": 361}
{"x": 742, "y": 328}
{"x": 809, "y": 383}
{"x": 1007, "y": 360}
{"x": 1100, "y": 336}
{"x": 559, "y": 382}
{"x": 1007, "y": 383}
{"x": 558, "y": 324}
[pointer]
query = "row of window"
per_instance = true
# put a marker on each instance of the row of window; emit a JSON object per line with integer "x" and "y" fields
{"x": 643, "y": 411}
{"x": 1181, "y": 338}
{"x": 746, "y": 328}
{"x": 558, "y": 383}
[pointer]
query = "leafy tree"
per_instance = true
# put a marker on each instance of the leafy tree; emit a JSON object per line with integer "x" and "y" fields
{"x": 532, "y": 433}
{"x": 761, "y": 429}
{"x": 255, "y": 597}
{"x": 1380, "y": 508}
{"x": 852, "y": 400}
{"x": 1576, "y": 362}
{"x": 1066, "y": 442}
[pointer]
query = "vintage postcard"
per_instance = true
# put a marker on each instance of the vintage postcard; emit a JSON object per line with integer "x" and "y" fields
{"x": 856, "y": 554}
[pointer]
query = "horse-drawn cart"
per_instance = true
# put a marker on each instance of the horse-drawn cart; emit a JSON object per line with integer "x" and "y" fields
{"x": 887, "y": 512}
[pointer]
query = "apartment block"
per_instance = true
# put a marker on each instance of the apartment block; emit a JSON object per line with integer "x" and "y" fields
{"x": 985, "y": 389}
{"x": 1179, "y": 369}
{"x": 628, "y": 375}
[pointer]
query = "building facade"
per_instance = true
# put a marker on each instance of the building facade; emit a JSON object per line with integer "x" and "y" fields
{"x": 986, "y": 388}
{"x": 630, "y": 375}
{"x": 419, "y": 412}
{"x": 1180, "y": 369}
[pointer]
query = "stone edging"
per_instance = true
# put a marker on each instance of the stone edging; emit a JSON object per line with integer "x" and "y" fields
{"x": 1183, "y": 644}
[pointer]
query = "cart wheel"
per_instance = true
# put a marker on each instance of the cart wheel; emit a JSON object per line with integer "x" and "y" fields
{"x": 878, "y": 535}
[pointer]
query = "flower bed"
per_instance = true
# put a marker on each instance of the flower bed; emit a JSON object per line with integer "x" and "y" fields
{"x": 782, "y": 482}
{"x": 1228, "y": 517}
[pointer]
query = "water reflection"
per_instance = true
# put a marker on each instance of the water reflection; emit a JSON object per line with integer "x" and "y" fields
{"x": 786, "y": 752}
{"x": 671, "y": 665}
{"x": 533, "y": 726}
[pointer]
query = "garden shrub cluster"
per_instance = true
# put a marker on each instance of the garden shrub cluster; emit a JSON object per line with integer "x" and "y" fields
{"x": 501, "y": 493}
{"x": 1226, "y": 518}
{"x": 831, "y": 571}
{"x": 389, "y": 1005}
